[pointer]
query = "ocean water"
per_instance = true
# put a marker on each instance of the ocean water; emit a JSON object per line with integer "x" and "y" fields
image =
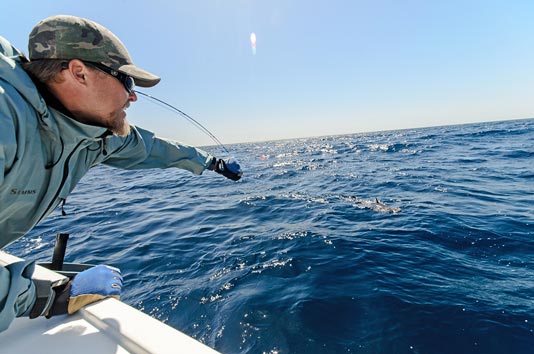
{"x": 412, "y": 241}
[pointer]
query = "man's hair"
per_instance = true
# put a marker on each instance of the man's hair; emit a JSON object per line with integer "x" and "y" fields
{"x": 44, "y": 70}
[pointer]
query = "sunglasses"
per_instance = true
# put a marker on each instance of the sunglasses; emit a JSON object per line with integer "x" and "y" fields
{"x": 127, "y": 81}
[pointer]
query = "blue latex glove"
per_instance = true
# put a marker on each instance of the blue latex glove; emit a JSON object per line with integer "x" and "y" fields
{"x": 229, "y": 168}
{"x": 94, "y": 284}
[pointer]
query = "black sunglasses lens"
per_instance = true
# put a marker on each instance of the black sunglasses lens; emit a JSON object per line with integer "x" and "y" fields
{"x": 129, "y": 84}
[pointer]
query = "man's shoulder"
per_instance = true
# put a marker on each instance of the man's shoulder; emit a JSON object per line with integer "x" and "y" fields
{"x": 17, "y": 113}
{"x": 10, "y": 63}
{"x": 11, "y": 100}
{"x": 19, "y": 97}
{"x": 9, "y": 51}
{"x": 17, "y": 88}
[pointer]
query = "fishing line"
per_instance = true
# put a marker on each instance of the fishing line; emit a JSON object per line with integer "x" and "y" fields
{"x": 193, "y": 121}
{"x": 373, "y": 205}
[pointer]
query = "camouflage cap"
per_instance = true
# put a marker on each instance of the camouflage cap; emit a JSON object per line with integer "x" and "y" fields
{"x": 70, "y": 37}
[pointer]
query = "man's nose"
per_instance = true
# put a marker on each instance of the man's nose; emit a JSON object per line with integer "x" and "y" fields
{"x": 132, "y": 97}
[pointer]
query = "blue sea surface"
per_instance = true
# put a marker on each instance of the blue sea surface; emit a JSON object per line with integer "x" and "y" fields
{"x": 411, "y": 241}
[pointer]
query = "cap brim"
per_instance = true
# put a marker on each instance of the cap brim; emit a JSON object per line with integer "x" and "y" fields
{"x": 141, "y": 77}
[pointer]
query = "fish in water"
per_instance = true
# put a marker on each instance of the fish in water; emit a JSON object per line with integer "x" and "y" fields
{"x": 375, "y": 205}
{"x": 383, "y": 208}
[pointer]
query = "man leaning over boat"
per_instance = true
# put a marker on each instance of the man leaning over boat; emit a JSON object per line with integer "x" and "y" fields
{"x": 63, "y": 111}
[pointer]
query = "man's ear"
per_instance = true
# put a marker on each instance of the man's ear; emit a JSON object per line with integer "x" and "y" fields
{"x": 78, "y": 71}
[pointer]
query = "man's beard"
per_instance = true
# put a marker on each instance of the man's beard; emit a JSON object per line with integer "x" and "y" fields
{"x": 118, "y": 125}
{"x": 120, "y": 128}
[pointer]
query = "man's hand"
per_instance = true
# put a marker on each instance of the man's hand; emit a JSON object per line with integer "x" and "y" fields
{"x": 229, "y": 168}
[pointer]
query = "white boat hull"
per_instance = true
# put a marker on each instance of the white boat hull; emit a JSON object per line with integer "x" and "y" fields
{"x": 105, "y": 327}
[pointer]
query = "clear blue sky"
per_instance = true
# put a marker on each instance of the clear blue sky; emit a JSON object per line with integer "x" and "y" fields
{"x": 320, "y": 68}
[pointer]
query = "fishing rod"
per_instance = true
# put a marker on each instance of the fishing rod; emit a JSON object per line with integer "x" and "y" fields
{"x": 171, "y": 108}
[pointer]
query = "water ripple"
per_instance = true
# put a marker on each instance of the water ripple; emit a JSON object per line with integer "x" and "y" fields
{"x": 414, "y": 241}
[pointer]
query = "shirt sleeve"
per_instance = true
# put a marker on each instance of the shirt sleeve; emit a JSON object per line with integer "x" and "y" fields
{"x": 17, "y": 291}
{"x": 141, "y": 149}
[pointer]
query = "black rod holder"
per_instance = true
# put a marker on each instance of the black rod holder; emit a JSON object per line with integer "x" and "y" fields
{"x": 59, "y": 252}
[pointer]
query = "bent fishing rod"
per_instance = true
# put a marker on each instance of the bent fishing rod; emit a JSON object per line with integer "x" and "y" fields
{"x": 193, "y": 121}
